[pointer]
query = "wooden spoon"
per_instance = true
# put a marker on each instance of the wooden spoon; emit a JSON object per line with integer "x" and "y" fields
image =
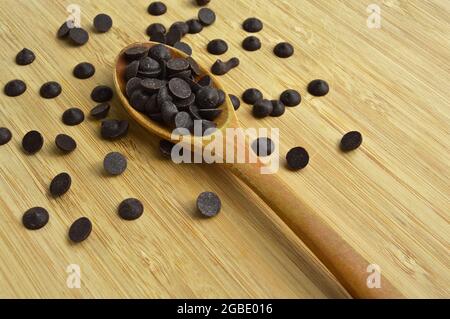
{"x": 342, "y": 260}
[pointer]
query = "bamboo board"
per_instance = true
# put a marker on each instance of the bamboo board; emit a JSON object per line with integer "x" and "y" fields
{"x": 389, "y": 199}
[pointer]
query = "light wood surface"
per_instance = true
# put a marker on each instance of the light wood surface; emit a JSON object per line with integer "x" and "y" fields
{"x": 340, "y": 258}
{"x": 389, "y": 200}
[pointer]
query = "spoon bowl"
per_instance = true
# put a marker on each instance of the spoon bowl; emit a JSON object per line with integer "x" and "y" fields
{"x": 226, "y": 119}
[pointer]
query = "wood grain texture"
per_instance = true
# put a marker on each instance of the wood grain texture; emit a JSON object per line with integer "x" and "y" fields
{"x": 336, "y": 254}
{"x": 390, "y": 199}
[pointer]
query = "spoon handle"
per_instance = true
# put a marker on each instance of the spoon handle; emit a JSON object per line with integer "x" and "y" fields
{"x": 341, "y": 259}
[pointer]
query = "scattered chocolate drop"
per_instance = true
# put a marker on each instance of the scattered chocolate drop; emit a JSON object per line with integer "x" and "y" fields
{"x": 262, "y": 108}
{"x": 35, "y": 218}
{"x": 60, "y": 184}
{"x": 32, "y": 142}
{"x": 131, "y": 209}
{"x": 252, "y": 95}
{"x": 25, "y": 57}
{"x": 206, "y": 16}
{"x": 263, "y": 146}
{"x": 80, "y": 230}
{"x": 103, "y": 22}
{"x": 157, "y": 8}
{"x": 168, "y": 112}
{"x": 78, "y": 36}
{"x": 251, "y": 43}
{"x": 235, "y": 101}
{"x": 318, "y": 88}
{"x": 100, "y": 111}
{"x": 351, "y": 141}
{"x": 50, "y": 90}
{"x": 208, "y": 204}
{"x": 297, "y": 158}
{"x": 84, "y": 70}
{"x": 252, "y": 25}
{"x": 115, "y": 163}
{"x": 202, "y": 2}
{"x": 283, "y": 50}
{"x": 102, "y": 93}
{"x": 222, "y": 68}
{"x": 217, "y": 47}
{"x": 182, "y": 26}
{"x": 5, "y": 135}
{"x": 290, "y": 98}
{"x": 63, "y": 30}
{"x": 65, "y": 143}
{"x": 73, "y": 116}
{"x": 165, "y": 147}
{"x": 155, "y": 28}
{"x": 171, "y": 90}
{"x": 15, "y": 88}
{"x": 194, "y": 26}
{"x": 114, "y": 129}
{"x": 278, "y": 108}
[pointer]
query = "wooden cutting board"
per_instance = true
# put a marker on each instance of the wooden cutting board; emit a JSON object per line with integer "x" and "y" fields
{"x": 389, "y": 199}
